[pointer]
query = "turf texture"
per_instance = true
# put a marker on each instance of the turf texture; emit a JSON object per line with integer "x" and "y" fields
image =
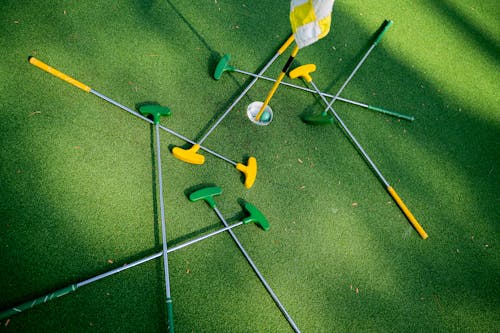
{"x": 77, "y": 175}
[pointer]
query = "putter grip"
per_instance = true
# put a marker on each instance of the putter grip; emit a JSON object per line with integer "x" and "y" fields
{"x": 40, "y": 300}
{"x": 388, "y": 24}
{"x": 170, "y": 316}
{"x": 35, "y": 62}
{"x": 407, "y": 213}
{"x": 391, "y": 113}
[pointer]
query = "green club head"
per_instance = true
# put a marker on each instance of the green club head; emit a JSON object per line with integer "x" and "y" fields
{"x": 206, "y": 194}
{"x": 155, "y": 110}
{"x": 317, "y": 119}
{"x": 223, "y": 66}
{"x": 256, "y": 216}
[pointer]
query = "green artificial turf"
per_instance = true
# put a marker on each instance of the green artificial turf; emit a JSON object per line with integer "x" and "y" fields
{"x": 78, "y": 194}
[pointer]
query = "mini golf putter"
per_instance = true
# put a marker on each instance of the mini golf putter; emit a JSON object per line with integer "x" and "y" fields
{"x": 251, "y": 169}
{"x": 254, "y": 215}
{"x": 157, "y": 111}
{"x": 223, "y": 66}
{"x": 324, "y": 118}
{"x": 207, "y": 194}
{"x": 416, "y": 225}
{"x": 191, "y": 155}
{"x": 75, "y": 286}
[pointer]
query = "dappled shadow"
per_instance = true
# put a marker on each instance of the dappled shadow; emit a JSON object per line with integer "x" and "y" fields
{"x": 339, "y": 252}
{"x": 483, "y": 40}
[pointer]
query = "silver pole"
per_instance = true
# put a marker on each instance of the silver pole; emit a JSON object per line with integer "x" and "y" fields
{"x": 154, "y": 256}
{"x": 269, "y": 63}
{"x": 256, "y": 270}
{"x": 123, "y": 107}
{"x": 351, "y": 136}
{"x": 163, "y": 224}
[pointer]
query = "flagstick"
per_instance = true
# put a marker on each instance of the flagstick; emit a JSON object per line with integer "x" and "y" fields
{"x": 277, "y": 82}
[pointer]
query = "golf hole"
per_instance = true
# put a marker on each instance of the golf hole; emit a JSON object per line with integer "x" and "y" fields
{"x": 266, "y": 117}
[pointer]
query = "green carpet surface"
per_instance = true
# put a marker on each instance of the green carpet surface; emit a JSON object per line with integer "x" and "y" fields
{"x": 78, "y": 192}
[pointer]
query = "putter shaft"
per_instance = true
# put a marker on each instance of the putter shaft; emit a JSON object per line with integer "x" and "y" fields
{"x": 345, "y": 100}
{"x": 250, "y": 85}
{"x": 170, "y": 315}
{"x": 73, "y": 287}
{"x": 259, "y": 274}
{"x": 70, "y": 80}
{"x": 389, "y": 188}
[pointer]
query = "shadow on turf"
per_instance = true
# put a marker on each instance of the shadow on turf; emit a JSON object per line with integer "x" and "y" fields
{"x": 474, "y": 34}
{"x": 441, "y": 141}
{"x": 212, "y": 63}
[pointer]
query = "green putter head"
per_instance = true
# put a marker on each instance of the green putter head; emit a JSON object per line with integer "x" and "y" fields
{"x": 223, "y": 66}
{"x": 207, "y": 194}
{"x": 155, "y": 110}
{"x": 255, "y": 216}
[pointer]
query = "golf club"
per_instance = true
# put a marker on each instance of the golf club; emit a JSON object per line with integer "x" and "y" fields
{"x": 315, "y": 119}
{"x": 73, "y": 287}
{"x": 304, "y": 72}
{"x": 207, "y": 194}
{"x": 223, "y": 66}
{"x": 191, "y": 155}
{"x": 157, "y": 111}
{"x": 249, "y": 170}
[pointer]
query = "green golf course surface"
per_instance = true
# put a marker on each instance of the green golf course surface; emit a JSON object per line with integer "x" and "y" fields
{"x": 78, "y": 182}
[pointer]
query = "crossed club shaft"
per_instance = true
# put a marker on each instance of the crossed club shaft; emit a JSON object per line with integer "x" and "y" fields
{"x": 249, "y": 170}
{"x": 73, "y": 287}
{"x": 304, "y": 72}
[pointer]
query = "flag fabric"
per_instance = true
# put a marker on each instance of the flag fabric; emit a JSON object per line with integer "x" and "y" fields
{"x": 310, "y": 20}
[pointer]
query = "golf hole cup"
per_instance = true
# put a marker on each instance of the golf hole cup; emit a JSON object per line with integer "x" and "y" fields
{"x": 266, "y": 117}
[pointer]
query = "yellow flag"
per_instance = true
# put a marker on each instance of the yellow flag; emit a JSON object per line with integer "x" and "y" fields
{"x": 310, "y": 20}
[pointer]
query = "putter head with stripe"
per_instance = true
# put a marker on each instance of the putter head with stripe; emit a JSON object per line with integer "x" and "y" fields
{"x": 154, "y": 110}
{"x": 249, "y": 170}
{"x": 223, "y": 66}
{"x": 189, "y": 155}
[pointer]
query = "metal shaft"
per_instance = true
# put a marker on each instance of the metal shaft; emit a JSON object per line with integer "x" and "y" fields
{"x": 363, "y": 105}
{"x": 156, "y": 255}
{"x": 414, "y": 222}
{"x": 256, "y": 270}
{"x": 352, "y": 74}
{"x": 351, "y": 136}
{"x": 123, "y": 107}
{"x": 164, "y": 232}
{"x": 243, "y": 93}
{"x": 73, "y": 287}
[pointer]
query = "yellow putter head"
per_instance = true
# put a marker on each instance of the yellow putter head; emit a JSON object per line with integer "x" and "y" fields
{"x": 303, "y": 71}
{"x": 189, "y": 155}
{"x": 250, "y": 171}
